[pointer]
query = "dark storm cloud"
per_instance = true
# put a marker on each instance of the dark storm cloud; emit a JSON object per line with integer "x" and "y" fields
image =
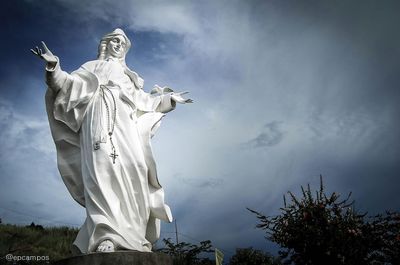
{"x": 356, "y": 105}
{"x": 270, "y": 135}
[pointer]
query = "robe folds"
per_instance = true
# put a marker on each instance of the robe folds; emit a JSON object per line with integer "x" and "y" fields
{"x": 123, "y": 198}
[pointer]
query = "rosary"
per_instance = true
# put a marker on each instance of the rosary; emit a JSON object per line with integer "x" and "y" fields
{"x": 110, "y": 122}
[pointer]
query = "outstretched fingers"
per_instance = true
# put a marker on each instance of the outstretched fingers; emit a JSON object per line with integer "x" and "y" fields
{"x": 45, "y": 47}
{"x": 178, "y": 98}
{"x": 183, "y": 93}
{"x": 180, "y": 94}
{"x": 37, "y": 51}
{"x": 34, "y": 52}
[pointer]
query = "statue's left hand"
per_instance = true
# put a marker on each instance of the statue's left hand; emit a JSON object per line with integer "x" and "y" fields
{"x": 177, "y": 97}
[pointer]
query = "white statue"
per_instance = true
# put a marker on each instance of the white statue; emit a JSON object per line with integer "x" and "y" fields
{"x": 102, "y": 121}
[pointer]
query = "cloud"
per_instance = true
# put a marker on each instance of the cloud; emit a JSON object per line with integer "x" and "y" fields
{"x": 21, "y": 133}
{"x": 201, "y": 182}
{"x": 167, "y": 17}
{"x": 269, "y": 136}
{"x": 32, "y": 189}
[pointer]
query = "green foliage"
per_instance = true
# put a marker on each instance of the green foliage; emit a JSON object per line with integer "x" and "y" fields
{"x": 250, "y": 256}
{"x": 326, "y": 230}
{"x": 54, "y": 242}
{"x": 187, "y": 254}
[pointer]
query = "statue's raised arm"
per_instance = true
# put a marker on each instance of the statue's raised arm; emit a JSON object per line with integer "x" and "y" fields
{"x": 48, "y": 56}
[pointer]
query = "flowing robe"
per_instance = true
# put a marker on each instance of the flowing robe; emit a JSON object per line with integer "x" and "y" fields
{"x": 123, "y": 199}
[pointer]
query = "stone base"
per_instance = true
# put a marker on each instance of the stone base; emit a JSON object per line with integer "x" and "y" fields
{"x": 118, "y": 257}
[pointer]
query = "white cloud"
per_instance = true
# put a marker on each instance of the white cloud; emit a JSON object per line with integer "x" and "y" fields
{"x": 163, "y": 16}
{"x": 31, "y": 182}
{"x": 21, "y": 133}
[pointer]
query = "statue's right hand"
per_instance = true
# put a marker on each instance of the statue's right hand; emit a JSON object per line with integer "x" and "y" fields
{"x": 48, "y": 56}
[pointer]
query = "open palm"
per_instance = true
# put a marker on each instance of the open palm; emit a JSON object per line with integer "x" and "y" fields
{"x": 178, "y": 98}
{"x": 48, "y": 56}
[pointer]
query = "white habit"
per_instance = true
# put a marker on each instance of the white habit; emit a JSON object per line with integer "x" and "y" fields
{"x": 122, "y": 196}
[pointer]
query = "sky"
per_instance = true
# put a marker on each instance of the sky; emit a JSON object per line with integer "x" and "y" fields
{"x": 284, "y": 91}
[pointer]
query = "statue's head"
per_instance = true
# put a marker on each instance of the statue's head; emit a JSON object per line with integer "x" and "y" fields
{"x": 115, "y": 44}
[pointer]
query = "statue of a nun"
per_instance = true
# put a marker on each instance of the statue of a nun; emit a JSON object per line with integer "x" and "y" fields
{"x": 102, "y": 122}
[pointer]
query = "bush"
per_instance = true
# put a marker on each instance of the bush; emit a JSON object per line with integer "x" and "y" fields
{"x": 250, "y": 256}
{"x": 326, "y": 230}
{"x": 187, "y": 254}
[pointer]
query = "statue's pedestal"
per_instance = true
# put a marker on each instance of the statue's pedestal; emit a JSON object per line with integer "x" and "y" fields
{"x": 118, "y": 257}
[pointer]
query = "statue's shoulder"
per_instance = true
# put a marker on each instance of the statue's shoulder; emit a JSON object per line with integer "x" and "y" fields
{"x": 91, "y": 65}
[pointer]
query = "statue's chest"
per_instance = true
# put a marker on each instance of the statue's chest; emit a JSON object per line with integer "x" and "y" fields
{"x": 113, "y": 73}
{"x": 118, "y": 76}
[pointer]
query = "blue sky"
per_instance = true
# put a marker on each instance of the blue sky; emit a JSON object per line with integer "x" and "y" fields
{"x": 284, "y": 91}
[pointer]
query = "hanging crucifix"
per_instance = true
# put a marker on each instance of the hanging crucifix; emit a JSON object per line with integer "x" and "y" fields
{"x": 113, "y": 155}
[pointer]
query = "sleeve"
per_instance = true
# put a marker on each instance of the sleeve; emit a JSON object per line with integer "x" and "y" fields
{"x": 73, "y": 93}
{"x": 55, "y": 77}
{"x": 166, "y": 103}
{"x": 150, "y": 102}
{"x": 161, "y": 102}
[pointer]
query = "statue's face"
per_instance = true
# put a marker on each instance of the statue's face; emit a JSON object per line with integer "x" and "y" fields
{"x": 116, "y": 47}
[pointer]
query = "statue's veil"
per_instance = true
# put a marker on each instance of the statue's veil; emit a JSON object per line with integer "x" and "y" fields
{"x": 102, "y": 52}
